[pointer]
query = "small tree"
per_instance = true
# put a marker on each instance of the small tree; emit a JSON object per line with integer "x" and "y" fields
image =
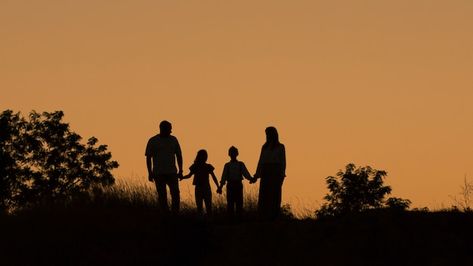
{"x": 464, "y": 198}
{"x": 356, "y": 190}
{"x": 41, "y": 158}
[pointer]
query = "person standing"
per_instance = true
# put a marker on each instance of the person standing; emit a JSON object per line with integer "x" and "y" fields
{"x": 233, "y": 173}
{"x": 162, "y": 151}
{"x": 271, "y": 170}
{"x": 202, "y": 171}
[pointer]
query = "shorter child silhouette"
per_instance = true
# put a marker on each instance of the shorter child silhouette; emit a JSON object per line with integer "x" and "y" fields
{"x": 233, "y": 174}
{"x": 201, "y": 171}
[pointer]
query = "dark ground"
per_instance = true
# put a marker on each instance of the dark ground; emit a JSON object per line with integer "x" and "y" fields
{"x": 127, "y": 236}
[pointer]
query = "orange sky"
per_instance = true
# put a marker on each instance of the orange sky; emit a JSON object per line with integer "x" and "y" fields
{"x": 383, "y": 83}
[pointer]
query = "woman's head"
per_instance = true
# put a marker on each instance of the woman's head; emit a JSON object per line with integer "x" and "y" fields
{"x": 201, "y": 156}
{"x": 272, "y": 137}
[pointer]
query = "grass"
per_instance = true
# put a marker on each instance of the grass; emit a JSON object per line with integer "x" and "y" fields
{"x": 121, "y": 225}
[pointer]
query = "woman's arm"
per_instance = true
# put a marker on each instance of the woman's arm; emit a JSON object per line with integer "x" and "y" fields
{"x": 283, "y": 160}
{"x": 258, "y": 168}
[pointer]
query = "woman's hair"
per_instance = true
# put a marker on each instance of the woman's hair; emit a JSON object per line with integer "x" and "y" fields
{"x": 201, "y": 157}
{"x": 272, "y": 137}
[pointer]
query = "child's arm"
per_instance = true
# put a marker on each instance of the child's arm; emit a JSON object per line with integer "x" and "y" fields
{"x": 214, "y": 178}
{"x": 245, "y": 173}
{"x": 187, "y": 176}
{"x": 223, "y": 180}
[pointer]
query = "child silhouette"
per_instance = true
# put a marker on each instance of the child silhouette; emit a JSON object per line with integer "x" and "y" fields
{"x": 201, "y": 171}
{"x": 233, "y": 174}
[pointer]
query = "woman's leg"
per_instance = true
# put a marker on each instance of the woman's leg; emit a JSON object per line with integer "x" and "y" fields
{"x": 264, "y": 196}
{"x": 276, "y": 188}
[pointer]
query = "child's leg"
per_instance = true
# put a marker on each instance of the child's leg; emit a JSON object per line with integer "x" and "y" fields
{"x": 238, "y": 198}
{"x": 208, "y": 201}
{"x": 198, "y": 199}
{"x": 230, "y": 199}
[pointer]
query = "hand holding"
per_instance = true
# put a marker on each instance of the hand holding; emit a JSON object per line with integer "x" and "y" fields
{"x": 219, "y": 190}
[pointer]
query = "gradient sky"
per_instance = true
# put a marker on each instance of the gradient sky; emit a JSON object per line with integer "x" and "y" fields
{"x": 381, "y": 83}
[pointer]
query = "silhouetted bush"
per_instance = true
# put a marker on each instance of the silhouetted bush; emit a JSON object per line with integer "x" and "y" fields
{"x": 398, "y": 203}
{"x": 42, "y": 159}
{"x": 464, "y": 199}
{"x": 356, "y": 190}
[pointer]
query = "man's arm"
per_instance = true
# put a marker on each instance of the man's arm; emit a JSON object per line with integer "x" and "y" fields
{"x": 179, "y": 157}
{"x": 149, "y": 165}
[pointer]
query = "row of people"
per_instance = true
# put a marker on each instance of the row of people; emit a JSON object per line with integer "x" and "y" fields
{"x": 233, "y": 174}
{"x": 163, "y": 151}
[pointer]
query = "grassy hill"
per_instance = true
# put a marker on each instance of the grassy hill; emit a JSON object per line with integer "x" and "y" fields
{"x": 114, "y": 232}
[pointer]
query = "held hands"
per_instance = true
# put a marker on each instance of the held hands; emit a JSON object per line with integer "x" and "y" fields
{"x": 181, "y": 177}
{"x": 219, "y": 190}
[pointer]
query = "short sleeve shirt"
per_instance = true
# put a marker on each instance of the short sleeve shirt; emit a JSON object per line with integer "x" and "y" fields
{"x": 163, "y": 151}
{"x": 201, "y": 174}
{"x": 235, "y": 171}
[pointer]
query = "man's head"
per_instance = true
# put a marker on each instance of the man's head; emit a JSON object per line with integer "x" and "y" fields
{"x": 165, "y": 128}
{"x": 233, "y": 152}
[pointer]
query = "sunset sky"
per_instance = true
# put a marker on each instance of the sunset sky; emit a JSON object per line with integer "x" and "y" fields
{"x": 381, "y": 83}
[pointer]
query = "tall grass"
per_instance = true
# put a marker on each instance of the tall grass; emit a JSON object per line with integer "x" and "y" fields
{"x": 125, "y": 196}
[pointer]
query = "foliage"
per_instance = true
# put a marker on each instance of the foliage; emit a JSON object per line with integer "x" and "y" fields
{"x": 42, "y": 159}
{"x": 356, "y": 190}
{"x": 464, "y": 198}
{"x": 398, "y": 203}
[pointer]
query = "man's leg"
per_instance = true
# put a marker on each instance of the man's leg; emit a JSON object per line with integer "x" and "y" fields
{"x": 173, "y": 183}
{"x": 162, "y": 194}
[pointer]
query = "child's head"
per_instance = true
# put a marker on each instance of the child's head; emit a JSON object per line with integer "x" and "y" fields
{"x": 233, "y": 152}
{"x": 201, "y": 156}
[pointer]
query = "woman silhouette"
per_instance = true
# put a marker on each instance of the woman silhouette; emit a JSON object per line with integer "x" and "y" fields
{"x": 272, "y": 171}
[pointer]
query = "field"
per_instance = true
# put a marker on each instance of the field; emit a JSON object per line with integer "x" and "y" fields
{"x": 122, "y": 226}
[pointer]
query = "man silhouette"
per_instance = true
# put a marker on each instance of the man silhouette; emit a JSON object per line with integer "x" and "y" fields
{"x": 161, "y": 153}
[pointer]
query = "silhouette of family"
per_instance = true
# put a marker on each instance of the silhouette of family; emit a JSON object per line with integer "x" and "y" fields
{"x": 163, "y": 152}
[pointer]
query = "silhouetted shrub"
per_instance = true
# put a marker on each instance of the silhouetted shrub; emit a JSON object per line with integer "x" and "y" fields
{"x": 358, "y": 189}
{"x": 286, "y": 211}
{"x": 42, "y": 159}
{"x": 464, "y": 199}
{"x": 398, "y": 203}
